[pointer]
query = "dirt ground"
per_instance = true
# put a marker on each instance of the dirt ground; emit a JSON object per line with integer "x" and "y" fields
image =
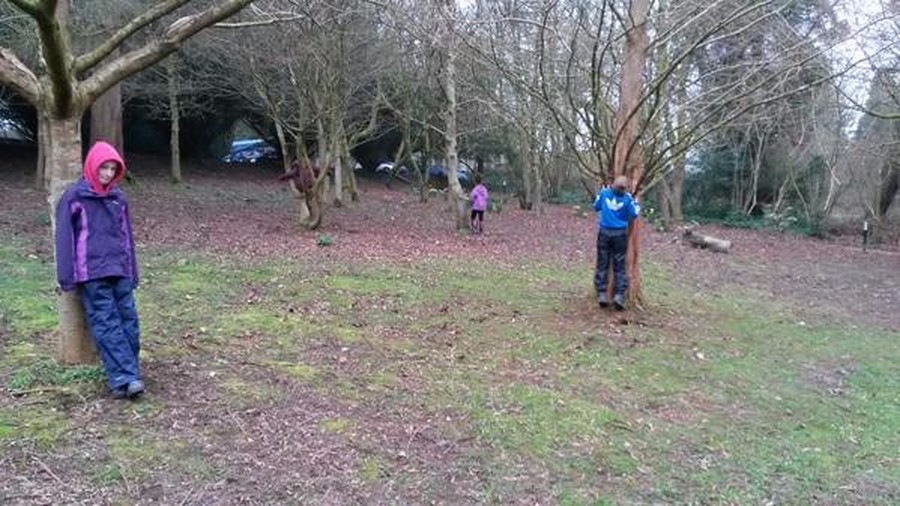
{"x": 247, "y": 212}
{"x": 284, "y": 455}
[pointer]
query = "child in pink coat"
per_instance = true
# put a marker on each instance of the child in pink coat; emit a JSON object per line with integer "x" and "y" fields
{"x": 479, "y": 198}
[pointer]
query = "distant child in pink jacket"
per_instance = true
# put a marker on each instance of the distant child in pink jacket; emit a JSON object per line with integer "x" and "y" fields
{"x": 479, "y": 206}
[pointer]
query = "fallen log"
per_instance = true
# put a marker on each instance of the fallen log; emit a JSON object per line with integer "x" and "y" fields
{"x": 706, "y": 242}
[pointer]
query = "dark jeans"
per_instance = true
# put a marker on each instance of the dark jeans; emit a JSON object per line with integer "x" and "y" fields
{"x": 611, "y": 246}
{"x": 111, "y": 315}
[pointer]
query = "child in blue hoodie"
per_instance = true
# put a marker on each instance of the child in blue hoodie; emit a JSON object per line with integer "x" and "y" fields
{"x": 95, "y": 254}
{"x": 616, "y": 208}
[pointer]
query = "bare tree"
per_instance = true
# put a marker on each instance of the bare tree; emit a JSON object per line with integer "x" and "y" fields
{"x": 69, "y": 83}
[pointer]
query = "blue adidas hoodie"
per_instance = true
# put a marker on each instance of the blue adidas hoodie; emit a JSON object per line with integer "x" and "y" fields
{"x": 615, "y": 210}
{"x": 93, "y": 226}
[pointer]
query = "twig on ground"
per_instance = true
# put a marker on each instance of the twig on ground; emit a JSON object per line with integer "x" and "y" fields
{"x": 49, "y": 471}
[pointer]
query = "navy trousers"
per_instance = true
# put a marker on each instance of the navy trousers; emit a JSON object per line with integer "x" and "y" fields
{"x": 611, "y": 247}
{"x": 112, "y": 317}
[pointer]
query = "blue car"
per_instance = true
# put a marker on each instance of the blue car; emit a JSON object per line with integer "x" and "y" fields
{"x": 250, "y": 151}
{"x": 440, "y": 172}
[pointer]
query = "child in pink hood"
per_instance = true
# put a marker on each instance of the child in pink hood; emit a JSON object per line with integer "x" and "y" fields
{"x": 95, "y": 255}
{"x": 479, "y": 199}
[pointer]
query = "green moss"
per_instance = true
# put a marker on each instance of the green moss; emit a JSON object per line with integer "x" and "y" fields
{"x": 372, "y": 469}
{"x": 27, "y": 299}
{"x": 40, "y": 425}
{"x": 296, "y": 370}
{"x": 246, "y": 394}
{"x": 140, "y": 455}
{"x": 47, "y": 372}
{"x": 336, "y": 425}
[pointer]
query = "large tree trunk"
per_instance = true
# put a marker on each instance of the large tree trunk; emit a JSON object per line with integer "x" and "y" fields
{"x": 62, "y": 146}
{"x": 174, "y": 119}
{"x": 61, "y": 97}
{"x": 627, "y": 153}
{"x": 106, "y": 118}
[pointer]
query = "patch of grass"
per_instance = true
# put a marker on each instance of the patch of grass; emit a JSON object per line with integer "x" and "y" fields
{"x": 7, "y": 426}
{"x": 20, "y": 354}
{"x": 575, "y": 498}
{"x": 345, "y": 333}
{"x": 109, "y": 474}
{"x": 372, "y": 469}
{"x": 336, "y": 425}
{"x": 25, "y": 365}
{"x": 400, "y": 283}
{"x": 298, "y": 371}
{"x": 246, "y": 394}
{"x": 539, "y": 421}
{"x": 383, "y": 380}
{"x": 46, "y": 372}
{"x": 27, "y": 299}
{"x": 39, "y": 425}
{"x": 256, "y": 320}
{"x": 140, "y": 455}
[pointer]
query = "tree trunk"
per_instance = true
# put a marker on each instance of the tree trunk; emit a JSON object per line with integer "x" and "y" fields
{"x": 676, "y": 190}
{"x": 664, "y": 196}
{"x": 106, "y": 118}
{"x": 526, "y": 198}
{"x": 41, "y": 176}
{"x": 351, "y": 173}
{"x": 456, "y": 195}
{"x": 338, "y": 181}
{"x": 627, "y": 152}
{"x": 62, "y": 149}
{"x": 314, "y": 208}
{"x": 538, "y": 195}
{"x": 282, "y": 142}
{"x": 174, "y": 117}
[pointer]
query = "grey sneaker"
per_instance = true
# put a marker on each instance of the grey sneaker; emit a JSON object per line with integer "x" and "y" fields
{"x": 602, "y": 300}
{"x": 619, "y": 301}
{"x": 135, "y": 389}
{"x": 118, "y": 393}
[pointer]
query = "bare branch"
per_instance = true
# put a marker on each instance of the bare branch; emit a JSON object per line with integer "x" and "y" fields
{"x": 265, "y": 22}
{"x": 91, "y": 59}
{"x": 134, "y": 61}
{"x": 18, "y": 76}
{"x": 26, "y": 6}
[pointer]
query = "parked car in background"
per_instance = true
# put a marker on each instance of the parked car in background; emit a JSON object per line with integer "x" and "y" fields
{"x": 439, "y": 172}
{"x": 387, "y": 167}
{"x": 250, "y": 151}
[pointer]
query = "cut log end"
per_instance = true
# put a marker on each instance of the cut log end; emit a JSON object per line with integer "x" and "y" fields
{"x": 707, "y": 242}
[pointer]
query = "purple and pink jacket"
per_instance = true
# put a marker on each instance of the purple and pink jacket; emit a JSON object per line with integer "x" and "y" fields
{"x": 93, "y": 226}
{"x": 479, "y": 198}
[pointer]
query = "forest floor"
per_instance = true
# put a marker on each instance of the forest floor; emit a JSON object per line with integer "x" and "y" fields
{"x": 407, "y": 363}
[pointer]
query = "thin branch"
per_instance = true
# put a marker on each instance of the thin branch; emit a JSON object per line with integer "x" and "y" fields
{"x": 265, "y": 22}
{"x": 866, "y": 110}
